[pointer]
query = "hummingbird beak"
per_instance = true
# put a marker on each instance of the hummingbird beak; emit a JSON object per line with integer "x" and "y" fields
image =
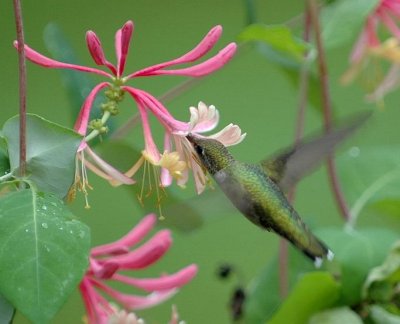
{"x": 191, "y": 138}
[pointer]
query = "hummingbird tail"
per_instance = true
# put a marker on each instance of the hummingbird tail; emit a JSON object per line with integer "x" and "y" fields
{"x": 317, "y": 251}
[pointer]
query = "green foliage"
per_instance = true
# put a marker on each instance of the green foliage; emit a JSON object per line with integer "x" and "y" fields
{"x": 313, "y": 292}
{"x": 371, "y": 177}
{"x": 44, "y": 253}
{"x": 356, "y": 252}
{"x": 277, "y": 37}
{"x": 336, "y": 316}
{"x": 263, "y": 297}
{"x": 51, "y": 151}
{"x": 342, "y": 20}
{"x": 380, "y": 316}
{"x": 4, "y": 162}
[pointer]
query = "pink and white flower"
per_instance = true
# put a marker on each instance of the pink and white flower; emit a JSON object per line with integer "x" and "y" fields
{"x": 369, "y": 48}
{"x": 146, "y": 103}
{"x": 106, "y": 262}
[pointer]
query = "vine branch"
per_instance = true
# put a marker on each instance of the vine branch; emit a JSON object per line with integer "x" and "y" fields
{"x": 301, "y": 109}
{"x": 327, "y": 107}
{"x": 22, "y": 87}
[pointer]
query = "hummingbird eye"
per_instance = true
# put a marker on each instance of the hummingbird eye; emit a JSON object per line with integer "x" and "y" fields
{"x": 199, "y": 150}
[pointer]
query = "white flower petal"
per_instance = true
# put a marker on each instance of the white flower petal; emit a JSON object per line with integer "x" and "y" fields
{"x": 230, "y": 135}
{"x": 204, "y": 118}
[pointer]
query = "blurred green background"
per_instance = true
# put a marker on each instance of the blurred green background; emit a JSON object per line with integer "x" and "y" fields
{"x": 249, "y": 91}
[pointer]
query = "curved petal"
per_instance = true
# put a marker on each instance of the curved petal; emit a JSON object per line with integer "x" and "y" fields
{"x": 96, "y": 51}
{"x": 145, "y": 99}
{"x": 206, "y": 44}
{"x": 124, "y": 243}
{"x": 81, "y": 123}
{"x": 212, "y": 64}
{"x": 230, "y": 135}
{"x": 122, "y": 41}
{"x": 165, "y": 282}
{"x": 146, "y": 254}
{"x": 166, "y": 178}
{"x": 137, "y": 302}
{"x": 42, "y": 60}
{"x": 151, "y": 149}
{"x": 204, "y": 118}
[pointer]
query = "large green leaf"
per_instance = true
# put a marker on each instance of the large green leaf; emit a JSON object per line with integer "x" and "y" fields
{"x": 313, "y": 292}
{"x": 356, "y": 252}
{"x": 342, "y": 20}
{"x": 50, "y": 149}
{"x": 336, "y": 316}
{"x": 371, "y": 177}
{"x": 43, "y": 253}
{"x": 263, "y": 296}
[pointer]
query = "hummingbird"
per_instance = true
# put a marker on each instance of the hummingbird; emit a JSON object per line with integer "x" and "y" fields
{"x": 258, "y": 190}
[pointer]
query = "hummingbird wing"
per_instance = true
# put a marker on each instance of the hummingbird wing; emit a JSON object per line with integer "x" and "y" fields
{"x": 290, "y": 165}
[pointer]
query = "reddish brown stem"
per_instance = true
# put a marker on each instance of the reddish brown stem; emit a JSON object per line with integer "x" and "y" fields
{"x": 302, "y": 105}
{"x": 22, "y": 87}
{"x": 327, "y": 107}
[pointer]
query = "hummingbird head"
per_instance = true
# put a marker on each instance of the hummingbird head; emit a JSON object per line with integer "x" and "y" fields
{"x": 212, "y": 153}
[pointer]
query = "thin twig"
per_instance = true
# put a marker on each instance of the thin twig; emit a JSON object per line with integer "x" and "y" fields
{"x": 327, "y": 108}
{"x": 22, "y": 87}
{"x": 302, "y": 105}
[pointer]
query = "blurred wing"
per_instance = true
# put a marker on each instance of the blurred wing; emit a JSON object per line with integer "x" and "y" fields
{"x": 290, "y": 165}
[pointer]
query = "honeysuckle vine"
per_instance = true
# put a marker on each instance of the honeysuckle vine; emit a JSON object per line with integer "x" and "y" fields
{"x": 177, "y": 156}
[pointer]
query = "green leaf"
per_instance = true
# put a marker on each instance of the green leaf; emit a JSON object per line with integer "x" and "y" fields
{"x": 336, "y": 316}
{"x": 382, "y": 316}
{"x": 381, "y": 280}
{"x": 343, "y": 20}
{"x": 356, "y": 252}
{"x": 4, "y": 162}
{"x": 7, "y": 311}
{"x": 313, "y": 292}
{"x": 51, "y": 151}
{"x": 370, "y": 177}
{"x": 44, "y": 253}
{"x": 277, "y": 37}
{"x": 263, "y": 295}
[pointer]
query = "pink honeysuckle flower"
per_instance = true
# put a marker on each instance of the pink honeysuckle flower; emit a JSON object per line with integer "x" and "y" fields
{"x": 106, "y": 262}
{"x": 118, "y": 85}
{"x": 202, "y": 119}
{"x": 368, "y": 48}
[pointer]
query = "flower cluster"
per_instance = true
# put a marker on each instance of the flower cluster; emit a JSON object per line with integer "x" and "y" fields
{"x": 177, "y": 156}
{"x": 369, "y": 48}
{"x": 106, "y": 261}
